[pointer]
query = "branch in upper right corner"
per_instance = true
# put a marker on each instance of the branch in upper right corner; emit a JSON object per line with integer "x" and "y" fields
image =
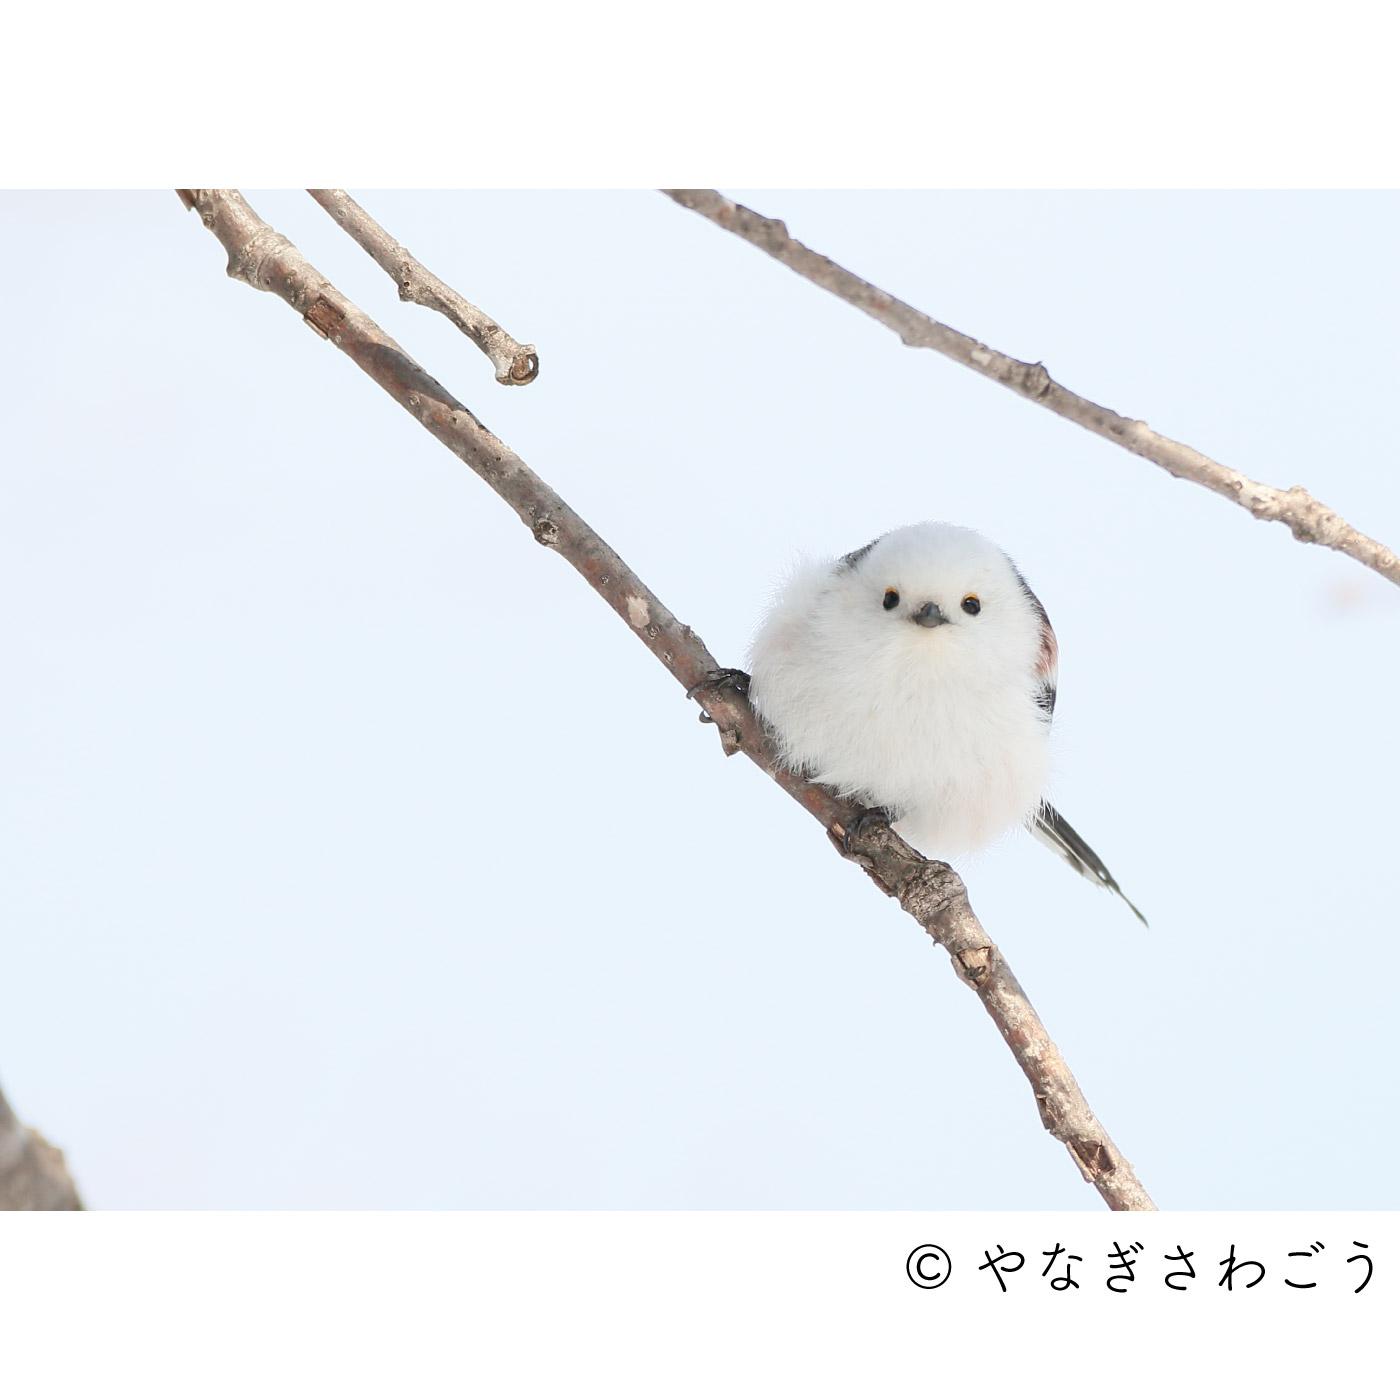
{"x": 1308, "y": 519}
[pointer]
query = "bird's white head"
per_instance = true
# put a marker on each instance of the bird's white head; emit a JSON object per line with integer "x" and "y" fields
{"x": 942, "y": 595}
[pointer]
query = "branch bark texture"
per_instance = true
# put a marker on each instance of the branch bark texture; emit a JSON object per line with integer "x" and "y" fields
{"x": 1308, "y": 519}
{"x": 931, "y": 891}
{"x": 33, "y": 1174}
{"x": 513, "y": 362}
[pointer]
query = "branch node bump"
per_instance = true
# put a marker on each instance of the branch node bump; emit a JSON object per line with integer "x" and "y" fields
{"x": 246, "y": 264}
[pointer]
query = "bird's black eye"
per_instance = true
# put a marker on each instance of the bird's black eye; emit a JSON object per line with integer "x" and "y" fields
{"x": 891, "y": 599}
{"x": 971, "y": 606}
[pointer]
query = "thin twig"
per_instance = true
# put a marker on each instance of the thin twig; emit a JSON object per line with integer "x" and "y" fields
{"x": 33, "y": 1174}
{"x": 929, "y": 890}
{"x": 1310, "y": 520}
{"x": 514, "y": 363}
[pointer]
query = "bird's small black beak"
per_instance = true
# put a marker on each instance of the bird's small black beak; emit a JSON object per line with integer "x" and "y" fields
{"x": 930, "y": 615}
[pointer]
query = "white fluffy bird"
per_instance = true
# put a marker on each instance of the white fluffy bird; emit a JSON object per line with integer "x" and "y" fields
{"x": 917, "y": 675}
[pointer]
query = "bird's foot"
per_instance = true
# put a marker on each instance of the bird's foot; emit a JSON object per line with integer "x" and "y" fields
{"x": 726, "y": 676}
{"x": 715, "y": 680}
{"x": 871, "y": 816}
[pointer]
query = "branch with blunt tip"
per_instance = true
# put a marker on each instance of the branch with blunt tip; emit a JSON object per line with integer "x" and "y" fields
{"x": 929, "y": 890}
{"x": 514, "y": 363}
{"x": 1308, "y": 519}
{"x": 33, "y": 1174}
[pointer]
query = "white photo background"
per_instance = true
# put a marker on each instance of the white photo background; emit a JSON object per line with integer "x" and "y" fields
{"x": 355, "y": 856}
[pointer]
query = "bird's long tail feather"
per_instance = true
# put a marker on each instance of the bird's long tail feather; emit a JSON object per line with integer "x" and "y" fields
{"x": 1049, "y": 827}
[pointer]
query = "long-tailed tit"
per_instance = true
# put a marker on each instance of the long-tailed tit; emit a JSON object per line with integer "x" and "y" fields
{"x": 917, "y": 675}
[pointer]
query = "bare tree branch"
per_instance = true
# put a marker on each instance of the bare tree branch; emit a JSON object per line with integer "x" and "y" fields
{"x": 33, "y": 1175}
{"x": 929, "y": 890}
{"x": 514, "y": 363}
{"x": 1310, "y": 520}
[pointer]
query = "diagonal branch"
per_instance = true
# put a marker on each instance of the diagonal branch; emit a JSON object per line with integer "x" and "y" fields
{"x": 929, "y": 890}
{"x": 1310, "y": 520}
{"x": 33, "y": 1175}
{"x": 514, "y": 363}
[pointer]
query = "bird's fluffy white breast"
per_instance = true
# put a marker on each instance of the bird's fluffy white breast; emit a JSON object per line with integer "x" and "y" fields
{"x": 938, "y": 725}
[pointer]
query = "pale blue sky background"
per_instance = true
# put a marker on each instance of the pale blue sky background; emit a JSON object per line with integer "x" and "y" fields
{"x": 352, "y": 854}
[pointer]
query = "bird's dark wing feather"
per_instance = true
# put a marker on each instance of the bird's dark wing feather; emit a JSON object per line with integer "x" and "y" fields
{"x": 1051, "y": 828}
{"x": 1047, "y": 661}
